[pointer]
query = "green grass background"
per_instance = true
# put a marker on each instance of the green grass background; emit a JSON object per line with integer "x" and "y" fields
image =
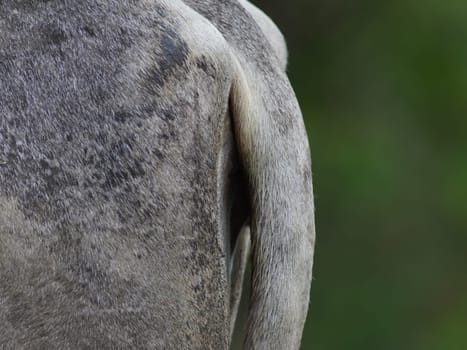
{"x": 383, "y": 89}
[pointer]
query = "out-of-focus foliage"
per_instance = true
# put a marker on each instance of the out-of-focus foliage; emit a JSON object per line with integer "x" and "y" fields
{"x": 383, "y": 89}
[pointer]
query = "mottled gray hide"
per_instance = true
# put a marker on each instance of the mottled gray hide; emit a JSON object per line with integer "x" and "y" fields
{"x": 137, "y": 137}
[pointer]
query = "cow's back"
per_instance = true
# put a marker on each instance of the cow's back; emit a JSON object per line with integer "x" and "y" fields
{"x": 113, "y": 136}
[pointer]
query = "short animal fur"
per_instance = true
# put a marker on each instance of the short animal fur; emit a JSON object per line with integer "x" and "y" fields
{"x": 137, "y": 137}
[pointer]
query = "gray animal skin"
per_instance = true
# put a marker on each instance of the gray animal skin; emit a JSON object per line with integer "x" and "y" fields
{"x": 137, "y": 138}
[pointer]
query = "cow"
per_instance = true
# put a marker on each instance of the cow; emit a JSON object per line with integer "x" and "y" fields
{"x": 146, "y": 147}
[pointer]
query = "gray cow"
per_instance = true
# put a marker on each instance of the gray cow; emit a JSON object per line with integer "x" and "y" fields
{"x": 140, "y": 143}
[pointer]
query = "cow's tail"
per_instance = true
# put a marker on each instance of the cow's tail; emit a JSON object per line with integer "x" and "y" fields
{"x": 273, "y": 149}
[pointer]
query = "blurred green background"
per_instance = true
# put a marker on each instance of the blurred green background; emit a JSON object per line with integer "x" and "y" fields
{"x": 383, "y": 89}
